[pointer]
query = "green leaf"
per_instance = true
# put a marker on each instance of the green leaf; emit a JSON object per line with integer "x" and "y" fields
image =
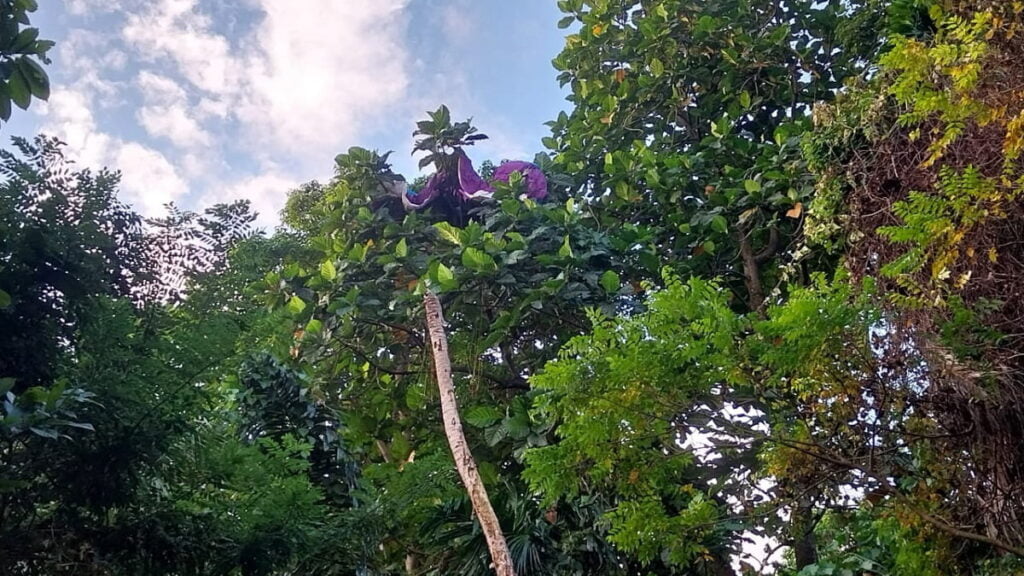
{"x": 566, "y": 250}
{"x": 446, "y": 278}
{"x": 24, "y": 39}
{"x": 358, "y": 253}
{"x": 478, "y": 260}
{"x": 5, "y": 299}
{"x": 328, "y": 271}
{"x": 483, "y": 416}
{"x": 752, "y": 186}
{"x": 719, "y": 224}
{"x": 745, "y": 99}
{"x": 449, "y": 233}
{"x": 402, "y": 249}
{"x": 495, "y": 434}
{"x": 5, "y": 104}
{"x": 657, "y": 68}
{"x": 21, "y": 95}
{"x": 415, "y": 397}
{"x": 518, "y": 424}
{"x": 295, "y": 305}
{"x": 36, "y": 78}
{"x": 314, "y": 326}
{"x": 610, "y": 281}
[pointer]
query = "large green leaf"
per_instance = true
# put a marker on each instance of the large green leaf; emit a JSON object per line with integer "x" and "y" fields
{"x": 610, "y": 281}
{"x": 478, "y": 260}
{"x": 483, "y": 416}
{"x": 21, "y": 93}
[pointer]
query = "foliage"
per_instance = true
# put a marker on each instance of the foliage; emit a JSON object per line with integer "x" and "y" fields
{"x": 64, "y": 239}
{"x": 119, "y": 454}
{"x": 185, "y": 245}
{"x": 274, "y": 404}
{"x": 22, "y": 78}
{"x": 841, "y": 393}
{"x": 767, "y": 315}
{"x": 515, "y": 276}
{"x": 629, "y": 397}
{"x": 686, "y": 123}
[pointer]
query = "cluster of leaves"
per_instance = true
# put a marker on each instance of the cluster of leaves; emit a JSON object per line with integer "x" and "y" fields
{"x": 186, "y": 245}
{"x": 686, "y": 122}
{"x": 21, "y": 53}
{"x": 628, "y": 396}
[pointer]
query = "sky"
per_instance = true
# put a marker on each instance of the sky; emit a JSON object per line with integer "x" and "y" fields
{"x": 199, "y": 102}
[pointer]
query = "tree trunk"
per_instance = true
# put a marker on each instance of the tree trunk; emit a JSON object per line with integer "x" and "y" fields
{"x": 464, "y": 462}
{"x": 751, "y": 273}
{"x": 805, "y": 544}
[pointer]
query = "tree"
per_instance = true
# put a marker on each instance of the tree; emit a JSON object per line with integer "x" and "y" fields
{"x": 65, "y": 239}
{"x": 684, "y": 135}
{"x": 514, "y": 280}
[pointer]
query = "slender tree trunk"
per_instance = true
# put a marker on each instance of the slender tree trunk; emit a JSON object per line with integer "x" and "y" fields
{"x": 751, "y": 273}
{"x": 457, "y": 441}
{"x": 805, "y": 543}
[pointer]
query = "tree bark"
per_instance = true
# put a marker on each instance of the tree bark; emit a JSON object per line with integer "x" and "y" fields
{"x": 751, "y": 273}
{"x": 805, "y": 543}
{"x": 464, "y": 462}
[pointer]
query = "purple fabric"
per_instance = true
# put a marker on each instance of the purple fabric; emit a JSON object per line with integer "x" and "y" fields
{"x": 471, "y": 185}
{"x": 417, "y": 199}
{"x": 536, "y": 182}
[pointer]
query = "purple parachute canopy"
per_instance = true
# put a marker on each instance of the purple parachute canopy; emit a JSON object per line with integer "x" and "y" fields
{"x": 536, "y": 182}
{"x": 471, "y": 185}
{"x": 418, "y": 199}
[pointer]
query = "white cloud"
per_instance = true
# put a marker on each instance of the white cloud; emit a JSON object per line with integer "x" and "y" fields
{"x": 148, "y": 179}
{"x": 166, "y": 113}
{"x": 83, "y": 7}
{"x": 272, "y": 88}
{"x": 174, "y": 124}
{"x": 325, "y": 69}
{"x": 304, "y": 80}
{"x": 88, "y": 51}
{"x": 160, "y": 89}
{"x": 69, "y": 117}
{"x": 312, "y": 73}
{"x": 266, "y": 192}
{"x": 456, "y": 22}
{"x": 174, "y": 29}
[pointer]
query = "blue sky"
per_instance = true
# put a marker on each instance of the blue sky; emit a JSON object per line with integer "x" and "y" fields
{"x": 199, "y": 102}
